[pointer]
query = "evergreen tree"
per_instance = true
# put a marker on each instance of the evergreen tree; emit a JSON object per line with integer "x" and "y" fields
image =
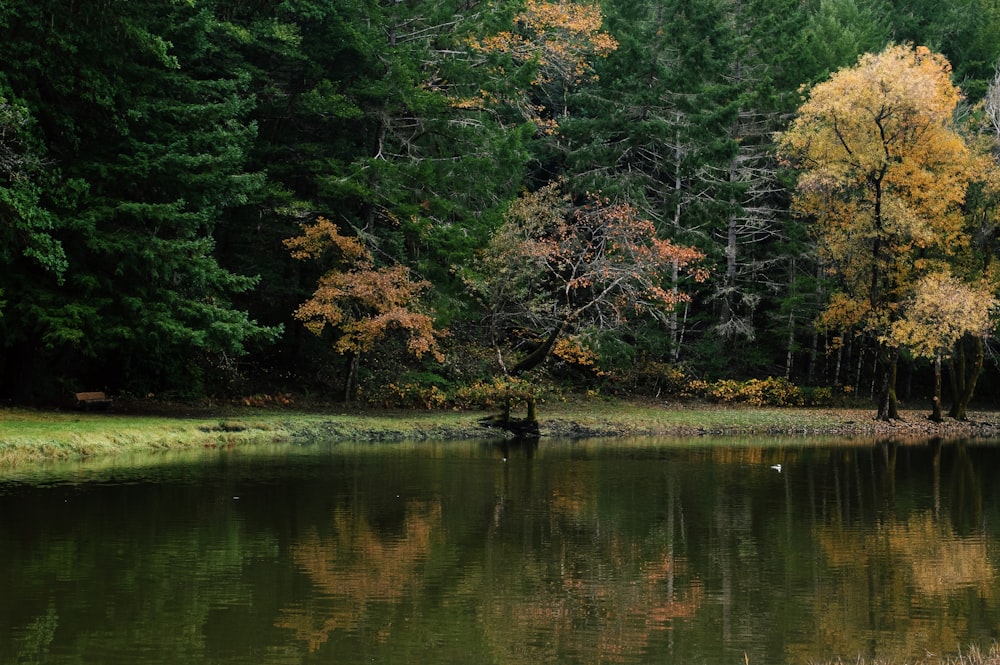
{"x": 153, "y": 143}
{"x": 655, "y": 125}
{"x": 26, "y": 226}
{"x": 965, "y": 31}
{"x": 838, "y": 31}
{"x": 760, "y": 305}
{"x": 369, "y": 114}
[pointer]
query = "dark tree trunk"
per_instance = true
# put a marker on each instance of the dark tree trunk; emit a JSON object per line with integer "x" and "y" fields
{"x": 888, "y": 407}
{"x": 527, "y": 426}
{"x": 936, "y": 414}
{"x": 956, "y": 375}
{"x": 350, "y": 385}
{"x": 538, "y": 356}
{"x": 966, "y": 364}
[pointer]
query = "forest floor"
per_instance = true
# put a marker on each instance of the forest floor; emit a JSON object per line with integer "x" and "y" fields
{"x": 28, "y": 435}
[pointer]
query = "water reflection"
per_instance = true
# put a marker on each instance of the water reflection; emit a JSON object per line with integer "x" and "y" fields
{"x": 626, "y": 551}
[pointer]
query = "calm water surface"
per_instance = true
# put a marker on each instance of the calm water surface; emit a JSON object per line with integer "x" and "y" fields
{"x": 628, "y": 551}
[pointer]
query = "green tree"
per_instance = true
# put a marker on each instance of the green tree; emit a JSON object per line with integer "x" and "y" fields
{"x": 653, "y": 128}
{"x": 418, "y": 159}
{"x": 370, "y": 114}
{"x": 838, "y": 31}
{"x": 152, "y": 139}
{"x": 27, "y": 242}
{"x": 965, "y": 32}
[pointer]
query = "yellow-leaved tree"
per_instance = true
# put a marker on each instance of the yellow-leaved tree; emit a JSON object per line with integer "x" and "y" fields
{"x": 883, "y": 174}
{"x": 362, "y": 303}
{"x": 556, "y": 44}
{"x": 941, "y": 311}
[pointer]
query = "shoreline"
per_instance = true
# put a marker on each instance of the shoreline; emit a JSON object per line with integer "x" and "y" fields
{"x": 28, "y": 436}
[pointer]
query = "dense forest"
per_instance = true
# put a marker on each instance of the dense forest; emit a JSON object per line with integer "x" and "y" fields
{"x": 411, "y": 201}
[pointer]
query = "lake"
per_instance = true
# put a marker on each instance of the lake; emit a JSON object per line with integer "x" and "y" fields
{"x": 609, "y": 551}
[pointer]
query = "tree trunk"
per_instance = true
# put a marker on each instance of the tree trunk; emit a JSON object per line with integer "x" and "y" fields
{"x": 532, "y": 416}
{"x": 728, "y": 312}
{"x": 676, "y": 352}
{"x": 965, "y": 373}
{"x": 956, "y": 376}
{"x": 675, "y": 328}
{"x": 936, "y": 405}
{"x": 538, "y": 356}
{"x": 888, "y": 407}
{"x": 860, "y": 365}
{"x": 790, "y": 351}
{"x": 350, "y": 385}
{"x": 813, "y": 354}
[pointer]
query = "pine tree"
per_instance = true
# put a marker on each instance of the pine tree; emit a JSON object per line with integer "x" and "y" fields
{"x": 153, "y": 142}
{"x": 370, "y": 114}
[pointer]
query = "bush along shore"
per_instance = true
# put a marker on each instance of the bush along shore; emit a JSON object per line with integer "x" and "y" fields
{"x": 28, "y": 436}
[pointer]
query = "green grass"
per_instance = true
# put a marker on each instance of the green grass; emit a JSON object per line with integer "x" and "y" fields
{"x": 31, "y": 436}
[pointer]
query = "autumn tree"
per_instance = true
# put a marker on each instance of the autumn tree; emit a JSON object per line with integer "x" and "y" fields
{"x": 361, "y": 302}
{"x": 883, "y": 176}
{"x": 982, "y": 208}
{"x": 941, "y": 311}
{"x": 553, "y": 268}
{"x": 551, "y": 49}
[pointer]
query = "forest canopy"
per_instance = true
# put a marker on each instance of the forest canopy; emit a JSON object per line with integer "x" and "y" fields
{"x": 381, "y": 200}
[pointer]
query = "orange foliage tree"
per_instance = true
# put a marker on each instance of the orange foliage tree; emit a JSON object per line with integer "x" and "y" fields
{"x": 557, "y": 41}
{"x": 551, "y": 268}
{"x": 883, "y": 174}
{"x": 361, "y": 302}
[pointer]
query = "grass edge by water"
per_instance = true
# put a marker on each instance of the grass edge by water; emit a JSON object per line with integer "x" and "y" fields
{"x": 29, "y": 436}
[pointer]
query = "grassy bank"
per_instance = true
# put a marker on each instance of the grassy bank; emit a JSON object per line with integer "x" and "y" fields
{"x": 973, "y": 655}
{"x": 30, "y": 436}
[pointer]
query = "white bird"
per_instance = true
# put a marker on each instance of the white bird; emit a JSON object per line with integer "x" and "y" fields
{"x": 776, "y": 467}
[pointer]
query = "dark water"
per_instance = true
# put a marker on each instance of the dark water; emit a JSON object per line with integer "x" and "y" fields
{"x": 640, "y": 551}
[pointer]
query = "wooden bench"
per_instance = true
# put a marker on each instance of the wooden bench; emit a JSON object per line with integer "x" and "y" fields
{"x": 92, "y": 400}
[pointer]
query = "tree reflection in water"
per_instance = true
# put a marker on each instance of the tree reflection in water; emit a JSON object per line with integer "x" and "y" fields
{"x": 621, "y": 551}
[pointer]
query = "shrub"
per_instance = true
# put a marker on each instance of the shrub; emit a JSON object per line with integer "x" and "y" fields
{"x": 818, "y": 396}
{"x": 495, "y": 393}
{"x": 756, "y": 392}
{"x": 653, "y": 377}
{"x": 409, "y": 395}
{"x": 695, "y": 388}
{"x": 263, "y": 400}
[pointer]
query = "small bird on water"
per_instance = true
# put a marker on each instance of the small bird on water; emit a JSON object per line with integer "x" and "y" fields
{"x": 776, "y": 467}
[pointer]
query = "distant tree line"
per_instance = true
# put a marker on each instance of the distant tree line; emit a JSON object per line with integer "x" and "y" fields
{"x": 212, "y": 197}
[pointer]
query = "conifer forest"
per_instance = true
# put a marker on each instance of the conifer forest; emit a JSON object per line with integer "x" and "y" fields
{"x": 412, "y": 202}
